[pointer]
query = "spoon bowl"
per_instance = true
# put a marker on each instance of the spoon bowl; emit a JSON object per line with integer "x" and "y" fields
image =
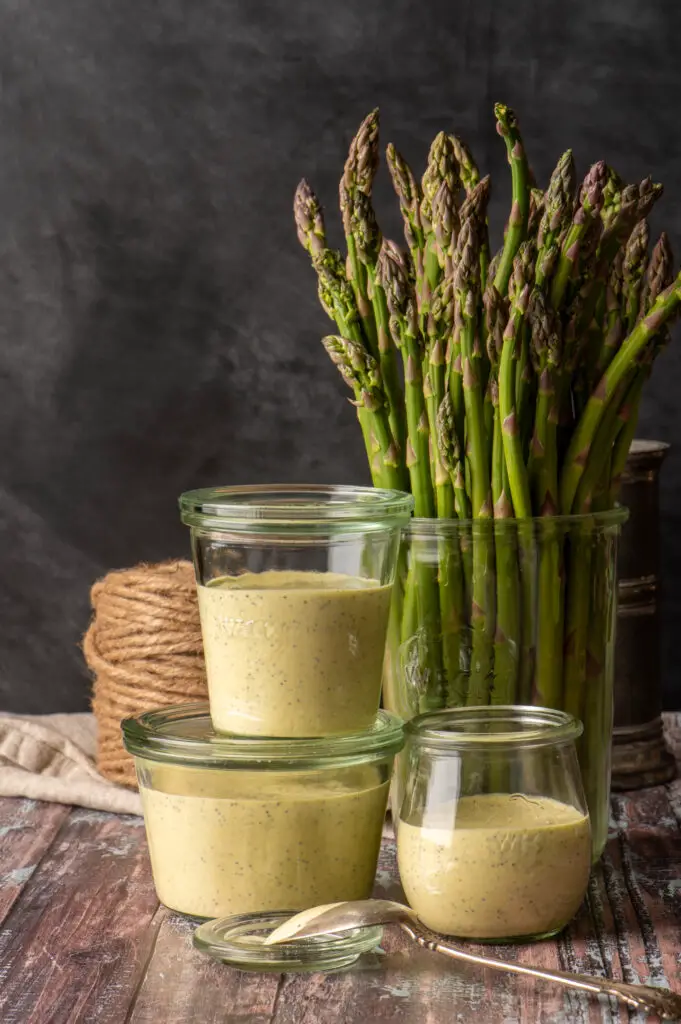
{"x": 340, "y": 917}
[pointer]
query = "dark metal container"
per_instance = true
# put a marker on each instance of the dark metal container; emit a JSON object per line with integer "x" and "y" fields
{"x": 640, "y": 757}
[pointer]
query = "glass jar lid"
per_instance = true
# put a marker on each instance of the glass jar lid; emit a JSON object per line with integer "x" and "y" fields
{"x": 239, "y": 941}
{"x": 184, "y": 734}
{"x": 493, "y": 726}
{"x": 296, "y": 508}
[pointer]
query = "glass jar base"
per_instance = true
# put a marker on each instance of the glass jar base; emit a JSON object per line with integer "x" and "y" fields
{"x": 510, "y": 940}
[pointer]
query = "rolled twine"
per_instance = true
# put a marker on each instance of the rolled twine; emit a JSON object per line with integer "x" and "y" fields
{"x": 144, "y": 648}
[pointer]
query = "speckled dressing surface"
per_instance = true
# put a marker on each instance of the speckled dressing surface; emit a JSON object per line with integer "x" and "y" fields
{"x": 83, "y": 939}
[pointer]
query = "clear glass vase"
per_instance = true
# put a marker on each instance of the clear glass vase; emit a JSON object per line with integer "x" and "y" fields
{"x": 511, "y": 612}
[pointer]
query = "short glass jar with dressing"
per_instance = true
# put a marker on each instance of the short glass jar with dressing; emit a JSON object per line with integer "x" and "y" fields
{"x": 493, "y": 835}
{"x": 294, "y": 586}
{"x": 241, "y": 825}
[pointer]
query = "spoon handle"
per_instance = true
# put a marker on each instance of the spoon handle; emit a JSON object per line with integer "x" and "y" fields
{"x": 661, "y": 1001}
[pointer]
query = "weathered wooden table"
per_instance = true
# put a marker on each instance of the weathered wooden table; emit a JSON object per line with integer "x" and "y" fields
{"x": 83, "y": 938}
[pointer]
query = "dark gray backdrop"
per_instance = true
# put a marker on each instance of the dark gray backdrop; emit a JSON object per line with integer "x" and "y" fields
{"x": 159, "y": 328}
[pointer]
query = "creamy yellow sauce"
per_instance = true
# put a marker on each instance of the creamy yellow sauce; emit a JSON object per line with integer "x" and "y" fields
{"x": 232, "y": 842}
{"x": 496, "y": 866}
{"x": 293, "y": 653}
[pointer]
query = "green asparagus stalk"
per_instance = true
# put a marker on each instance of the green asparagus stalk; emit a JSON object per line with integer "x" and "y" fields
{"x": 536, "y": 211}
{"x": 556, "y": 217}
{"x": 468, "y": 169}
{"x": 441, "y": 180}
{"x": 543, "y": 474}
{"x": 585, "y": 222}
{"x": 613, "y": 329}
{"x": 358, "y": 176}
{"x": 665, "y": 307}
{"x": 451, "y": 576}
{"x": 659, "y": 276}
{"x": 361, "y": 373}
{"x": 660, "y": 272}
{"x": 507, "y": 126}
{"x": 409, "y": 194}
{"x": 440, "y": 326}
{"x": 519, "y": 294}
{"x": 405, "y": 333}
{"x": 634, "y": 268}
{"x": 466, "y": 288}
{"x": 368, "y": 240}
{"x": 309, "y": 219}
{"x": 507, "y": 644}
{"x": 421, "y": 615}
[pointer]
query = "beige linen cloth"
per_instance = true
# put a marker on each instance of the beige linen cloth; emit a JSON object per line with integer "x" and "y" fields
{"x": 52, "y": 757}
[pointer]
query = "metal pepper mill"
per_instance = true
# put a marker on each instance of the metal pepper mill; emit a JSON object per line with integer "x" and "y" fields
{"x": 640, "y": 757}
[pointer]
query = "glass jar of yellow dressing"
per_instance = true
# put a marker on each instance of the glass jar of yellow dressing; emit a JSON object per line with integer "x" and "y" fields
{"x": 493, "y": 835}
{"x": 239, "y": 825}
{"x": 294, "y": 586}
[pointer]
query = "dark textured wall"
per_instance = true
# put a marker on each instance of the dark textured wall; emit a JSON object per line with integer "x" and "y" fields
{"x": 158, "y": 324}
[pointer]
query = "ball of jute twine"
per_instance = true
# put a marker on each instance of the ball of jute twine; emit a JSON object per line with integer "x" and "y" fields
{"x": 144, "y": 648}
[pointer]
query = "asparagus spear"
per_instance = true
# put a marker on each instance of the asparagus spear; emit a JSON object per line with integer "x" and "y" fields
{"x": 665, "y": 307}
{"x": 440, "y": 325}
{"x": 507, "y": 126}
{"x": 368, "y": 240}
{"x": 519, "y": 294}
{"x": 556, "y": 217}
{"x": 361, "y": 373}
{"x": 307, "y": 212}
{"x": 546, "y": 356}
{"x": 409, "y": 194}
{"x": 634, "y": 268}
{"x": 466, "y": 288}
{"x": 439, "y": 183}
{"x": 405, "y": 333}
{"x": 536, "y": 211}
{"x": 659, "y": 276}
{"x": 468, "y": 169}
{"x": 451, "y": 575}
{"x": 358, "y": 176}
{"x": 660, "y": 272}
{"x": 585, "y": 221}
{"x": 612, "y": 333}
{"x": 507, "y": 644}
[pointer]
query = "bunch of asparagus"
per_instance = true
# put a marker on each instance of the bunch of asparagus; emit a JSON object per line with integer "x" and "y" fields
{"x": 518, "y": 394}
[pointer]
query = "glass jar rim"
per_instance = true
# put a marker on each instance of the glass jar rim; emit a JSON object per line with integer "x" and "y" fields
{"x": 183, "y": 735}
{"x": 457, "y": 729}
{"x": 613, "y": 517}
{"x": 293, "y": 507}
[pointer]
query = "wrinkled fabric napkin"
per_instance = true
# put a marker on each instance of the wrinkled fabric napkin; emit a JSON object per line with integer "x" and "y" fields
{"x": 52, "y": 757}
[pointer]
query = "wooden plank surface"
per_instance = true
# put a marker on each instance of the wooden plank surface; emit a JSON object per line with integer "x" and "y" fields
{"x": 74, "y": 945}
{"x": 84, "y": 939}
{"x": 27, "y": 830}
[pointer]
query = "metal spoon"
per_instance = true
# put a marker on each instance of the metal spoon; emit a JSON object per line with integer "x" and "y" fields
{"x": 343, "y": 917}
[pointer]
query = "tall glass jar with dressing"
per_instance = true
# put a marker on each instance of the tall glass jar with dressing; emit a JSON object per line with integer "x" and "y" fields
{"x": 294, "y": 586}
{"x": 493, "y": 834}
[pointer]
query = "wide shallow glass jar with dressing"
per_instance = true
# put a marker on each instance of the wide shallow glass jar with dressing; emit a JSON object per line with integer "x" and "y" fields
{"x": 237, "y": 825}
{"x": 493, "y": 835}
{"x": 294, "y": 585}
